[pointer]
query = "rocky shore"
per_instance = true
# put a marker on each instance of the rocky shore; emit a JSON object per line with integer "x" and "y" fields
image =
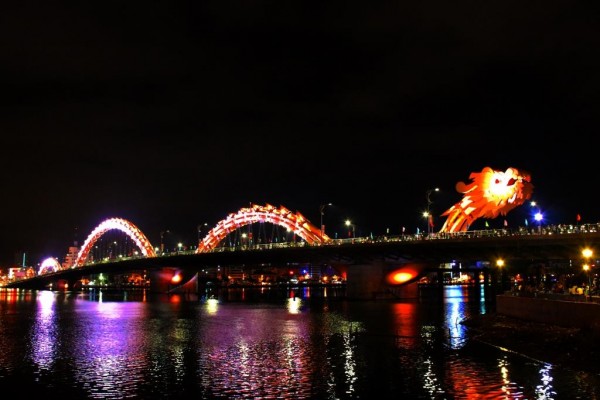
{"x": 573, "y": 348}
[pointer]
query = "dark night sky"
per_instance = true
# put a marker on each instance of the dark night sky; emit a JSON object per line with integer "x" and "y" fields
{"x": 172, "y": 114}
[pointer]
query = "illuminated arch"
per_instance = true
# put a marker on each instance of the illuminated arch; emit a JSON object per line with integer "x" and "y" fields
{"x": 256, "y": 213}
{"x": 50, "y": 264}
{"x": 119, "y": 224}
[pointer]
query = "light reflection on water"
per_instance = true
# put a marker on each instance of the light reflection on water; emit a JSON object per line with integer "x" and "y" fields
{"x": 296, "y": 345}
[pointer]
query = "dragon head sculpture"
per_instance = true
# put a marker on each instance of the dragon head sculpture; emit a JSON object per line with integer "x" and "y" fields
{"x": 491, "y": 193}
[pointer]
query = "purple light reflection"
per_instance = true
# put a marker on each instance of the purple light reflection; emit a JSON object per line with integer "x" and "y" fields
{"x": 110, "y": 345}
{"x": 255, "y": 350}
{"x": 43, "y": 331}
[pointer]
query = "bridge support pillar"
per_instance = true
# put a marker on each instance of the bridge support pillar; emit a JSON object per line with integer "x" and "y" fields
{"x": 364, "y": 281}
{"x": 161, "y": 281}
{"x": 62, "y": 284}
{"x": 440, "y": 278}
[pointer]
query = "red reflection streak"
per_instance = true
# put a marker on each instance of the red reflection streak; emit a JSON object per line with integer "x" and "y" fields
{"x": 404, "y": 320}
{"x": 13, "y": 295}
{"x": 465, "y": 384}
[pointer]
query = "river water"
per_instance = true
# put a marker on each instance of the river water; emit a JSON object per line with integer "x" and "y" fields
{"x": 302, "y": 343}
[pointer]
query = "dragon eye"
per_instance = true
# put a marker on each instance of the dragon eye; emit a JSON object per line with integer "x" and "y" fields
{"x": 511, "y": 182}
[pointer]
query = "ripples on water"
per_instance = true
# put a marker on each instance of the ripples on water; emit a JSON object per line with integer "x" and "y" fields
{"x": 262, "y": 345}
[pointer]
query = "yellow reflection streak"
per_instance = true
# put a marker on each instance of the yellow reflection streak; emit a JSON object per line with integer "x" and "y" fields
{"x": 212, "y": 306}
{"x": 293, "y": 305}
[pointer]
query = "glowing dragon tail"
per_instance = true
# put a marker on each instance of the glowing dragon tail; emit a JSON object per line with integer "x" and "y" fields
{"x": 458, "y": 220}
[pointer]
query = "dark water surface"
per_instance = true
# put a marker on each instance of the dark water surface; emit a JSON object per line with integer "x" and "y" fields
{"x": 263, "y": 344}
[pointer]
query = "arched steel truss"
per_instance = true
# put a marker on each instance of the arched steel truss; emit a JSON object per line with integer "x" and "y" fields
{"x": 119, "y": 224}
{"x": 294, "y": 222}
{"x": 281, "y": 216}
{"x": 49, "y": 265}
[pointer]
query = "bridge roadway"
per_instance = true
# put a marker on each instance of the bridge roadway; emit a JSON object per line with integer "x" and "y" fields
{"x": 366, "y": 260}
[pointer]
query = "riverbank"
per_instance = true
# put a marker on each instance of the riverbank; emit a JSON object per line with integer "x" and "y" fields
{"x": 574, "y": 348}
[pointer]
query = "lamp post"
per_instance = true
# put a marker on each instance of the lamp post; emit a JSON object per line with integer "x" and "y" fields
{"x": 587, "y": 253}
{"x": 426, "y": 217}
{"x": 500, "y": 265}
{"x": 538, "y": 216}
{"x": 162, "y": 241}
{"x": 350, "y": 224}
{"x": 427, "y": 213}
{"x": 322, "y": 211}
{"x": 201, "y": 228}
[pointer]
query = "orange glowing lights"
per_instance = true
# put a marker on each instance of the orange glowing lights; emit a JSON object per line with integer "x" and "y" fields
{"x": 294, "y": 222}
{"x": 176, "y": 278}
{"x": 401, "y": 277}
{"x": 491, "y": 193}
{"x": 404, "y": 274}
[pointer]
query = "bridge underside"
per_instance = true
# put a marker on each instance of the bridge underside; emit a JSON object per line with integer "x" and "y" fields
{"x": 376, "y": 280}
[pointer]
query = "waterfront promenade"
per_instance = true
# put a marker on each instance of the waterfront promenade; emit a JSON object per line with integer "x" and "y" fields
{"x": 570, "y": 347}
{"x": 558, "y": 328}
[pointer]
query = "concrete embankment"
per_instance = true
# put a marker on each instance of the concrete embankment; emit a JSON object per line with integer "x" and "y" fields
{"x": 555, "y": 310}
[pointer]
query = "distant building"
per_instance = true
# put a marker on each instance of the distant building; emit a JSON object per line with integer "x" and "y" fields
{"x": 71, "y": 256}
{"x": 16, "y": 273}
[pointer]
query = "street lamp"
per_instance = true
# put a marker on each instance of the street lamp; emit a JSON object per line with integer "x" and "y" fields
{"x": 322, "y": 211}
{"x": 350, "y": 224}
{"x": 500, "y": 265}
{"x": 201, "y": 227}
{"x": 162, "y": 243}
{"x": 426, "y": 217}
{"x": 538, "y": 216}
{"x": 587, "y": 253}
{"x": 427, "y": 213}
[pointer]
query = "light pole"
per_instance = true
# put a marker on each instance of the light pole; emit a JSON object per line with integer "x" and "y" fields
{"x": 538, "y": 216}
{"x": 162, "y": 241}
{"x": 322, "y": 211}
{"x": 587, "y": 253}
{"x": 201, "y": 227}
{"x": 427, "y": 213}
{"x": 350, "y": 224}
{"x": 500, "y": 265}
